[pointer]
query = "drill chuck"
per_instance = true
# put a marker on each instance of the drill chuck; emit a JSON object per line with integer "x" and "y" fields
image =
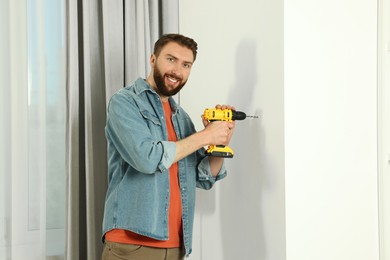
{"x": 238, "y": 115}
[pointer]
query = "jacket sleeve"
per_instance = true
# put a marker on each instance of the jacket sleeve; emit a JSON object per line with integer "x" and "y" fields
{"x": 137, "y": 136}
{"x": 205, "y": 180}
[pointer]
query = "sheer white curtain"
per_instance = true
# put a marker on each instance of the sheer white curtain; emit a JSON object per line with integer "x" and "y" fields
{"x": 109, "y": 43}
{"x": 32, "y": 125}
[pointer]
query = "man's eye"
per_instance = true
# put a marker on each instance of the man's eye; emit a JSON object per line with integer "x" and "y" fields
{"x": 187, "y": 66}
{"x": 171, "y": 59}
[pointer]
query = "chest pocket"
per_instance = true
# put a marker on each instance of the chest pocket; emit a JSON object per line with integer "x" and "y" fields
{"x": 153, "y": 123}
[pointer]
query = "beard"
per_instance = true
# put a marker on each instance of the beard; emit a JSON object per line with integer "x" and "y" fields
{"x": 163, "y": 89}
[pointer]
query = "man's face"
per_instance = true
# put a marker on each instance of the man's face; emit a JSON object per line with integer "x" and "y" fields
{"x": 171, "y": 69}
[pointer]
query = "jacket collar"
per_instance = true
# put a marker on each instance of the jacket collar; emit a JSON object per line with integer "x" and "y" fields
{"x": 141, "y": 86}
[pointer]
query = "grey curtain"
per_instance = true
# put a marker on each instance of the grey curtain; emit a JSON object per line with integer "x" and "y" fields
{"x": 108, "y": 46}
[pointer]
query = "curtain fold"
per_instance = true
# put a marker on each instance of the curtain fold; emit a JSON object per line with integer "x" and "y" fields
{"x": 108, "y": 46}
{"x": 145, "y": 22}
{"x": 72, "y": 133}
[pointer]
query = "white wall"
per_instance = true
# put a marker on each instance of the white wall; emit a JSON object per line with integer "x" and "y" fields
{"x": 331, "y": 129}
{"x": 240, "y": 62}
{"x": 303, "y": 183}
{"x": 384, "y": 126}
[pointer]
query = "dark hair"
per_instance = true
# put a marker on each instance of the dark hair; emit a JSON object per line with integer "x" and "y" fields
{"x": 177, "y": 38}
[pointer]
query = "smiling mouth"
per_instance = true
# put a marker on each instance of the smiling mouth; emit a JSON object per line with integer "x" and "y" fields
{"x": 172, "y": 79}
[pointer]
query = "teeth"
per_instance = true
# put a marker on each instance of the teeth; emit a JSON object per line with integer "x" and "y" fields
{"x": 172, "y": 80}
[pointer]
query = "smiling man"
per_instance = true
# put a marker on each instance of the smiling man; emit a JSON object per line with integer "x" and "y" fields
{"x": 177, "y": 61}
{"x": 156, "y": 160}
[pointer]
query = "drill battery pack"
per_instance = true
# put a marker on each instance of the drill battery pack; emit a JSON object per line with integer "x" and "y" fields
{"x": 220, "y": 151}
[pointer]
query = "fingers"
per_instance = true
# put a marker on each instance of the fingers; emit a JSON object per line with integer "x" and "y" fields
{"x": 225, "y": 107}
{"x": 220, "y": 132}
{"x": 204, "y": 121}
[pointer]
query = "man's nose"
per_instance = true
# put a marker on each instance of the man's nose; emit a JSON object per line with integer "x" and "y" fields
{"x": 177, "y": 69}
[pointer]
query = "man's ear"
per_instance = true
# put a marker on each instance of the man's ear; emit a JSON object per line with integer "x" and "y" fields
{"x": 152, "y": 60}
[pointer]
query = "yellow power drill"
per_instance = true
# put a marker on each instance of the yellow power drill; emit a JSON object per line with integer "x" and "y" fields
{"x": 214, "y": 114}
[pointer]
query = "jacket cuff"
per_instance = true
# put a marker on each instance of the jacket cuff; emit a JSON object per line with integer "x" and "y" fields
{"x": 168, "y": 156}
{"x": 204, "y": 171}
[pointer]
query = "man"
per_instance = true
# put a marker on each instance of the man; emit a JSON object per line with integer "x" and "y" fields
{"x": 156, "y": 160}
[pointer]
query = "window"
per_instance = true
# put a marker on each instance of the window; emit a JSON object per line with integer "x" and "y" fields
{"x": 33, "y": 94}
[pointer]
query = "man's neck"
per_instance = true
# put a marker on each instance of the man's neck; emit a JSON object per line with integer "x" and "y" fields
{"x": 151, "y": 82}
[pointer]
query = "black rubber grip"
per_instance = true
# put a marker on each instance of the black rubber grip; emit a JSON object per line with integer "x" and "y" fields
{"x": 238, "y": 115}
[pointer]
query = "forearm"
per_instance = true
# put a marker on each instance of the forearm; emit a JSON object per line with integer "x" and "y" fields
{"x": 215, "y": 165}
{"x": 190, "y": 144}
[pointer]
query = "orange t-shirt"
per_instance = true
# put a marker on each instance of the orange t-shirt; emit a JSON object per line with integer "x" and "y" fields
{"x": 175, "y": 210}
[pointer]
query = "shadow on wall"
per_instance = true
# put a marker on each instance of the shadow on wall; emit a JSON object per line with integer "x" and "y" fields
{"x": 241, "y": 192}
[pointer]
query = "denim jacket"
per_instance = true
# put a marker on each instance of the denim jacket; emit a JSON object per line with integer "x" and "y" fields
{"x": 139, "y": 157}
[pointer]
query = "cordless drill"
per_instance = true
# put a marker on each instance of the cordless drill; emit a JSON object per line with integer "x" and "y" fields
{"x": 214, "y": 114}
